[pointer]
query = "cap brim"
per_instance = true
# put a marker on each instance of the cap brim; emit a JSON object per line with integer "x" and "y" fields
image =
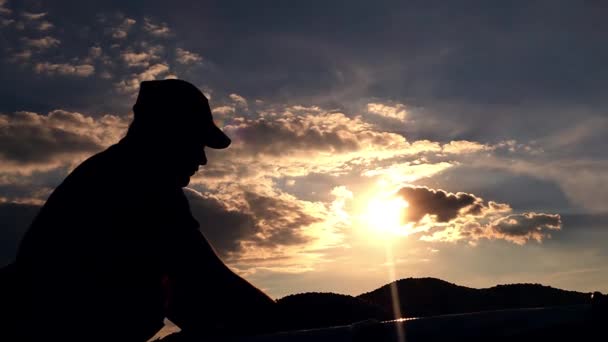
{"x": 216, "y": 138}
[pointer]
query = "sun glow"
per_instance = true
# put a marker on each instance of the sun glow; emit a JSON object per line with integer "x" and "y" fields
{"x": 384, "y": 216}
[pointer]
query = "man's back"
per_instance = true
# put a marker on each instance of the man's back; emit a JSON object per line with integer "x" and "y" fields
{"x": 96, "y": 253}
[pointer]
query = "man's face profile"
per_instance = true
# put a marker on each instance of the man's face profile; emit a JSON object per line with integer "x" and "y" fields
{"x": 173, "y": 120}
{"x": 184, "y": 160}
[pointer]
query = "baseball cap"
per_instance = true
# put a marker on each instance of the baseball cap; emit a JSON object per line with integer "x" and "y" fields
{"x": 181, "y": 106}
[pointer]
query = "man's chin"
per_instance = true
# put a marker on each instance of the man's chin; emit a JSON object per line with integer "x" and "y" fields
{"x": 183, "y": 181}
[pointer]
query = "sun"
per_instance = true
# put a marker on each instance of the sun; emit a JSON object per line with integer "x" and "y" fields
{"x": 384, "y": 215}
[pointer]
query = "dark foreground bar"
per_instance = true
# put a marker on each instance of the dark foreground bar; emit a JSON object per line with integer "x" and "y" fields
{"x": 568, "y": 323}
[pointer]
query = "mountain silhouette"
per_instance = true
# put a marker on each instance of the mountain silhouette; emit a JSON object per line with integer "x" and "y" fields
{"x": 418, "y": 297}
{"x": 316, "y": 310}
{"x": 421, "y": 297}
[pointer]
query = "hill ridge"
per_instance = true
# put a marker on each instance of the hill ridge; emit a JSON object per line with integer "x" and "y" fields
{"x": 420, "y": 297}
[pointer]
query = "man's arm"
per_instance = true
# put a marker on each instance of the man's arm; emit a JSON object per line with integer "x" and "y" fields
{"x": 206, "y": 295}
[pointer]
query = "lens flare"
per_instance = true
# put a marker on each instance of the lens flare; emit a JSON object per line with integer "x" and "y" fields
{"x": 384, "y": 215}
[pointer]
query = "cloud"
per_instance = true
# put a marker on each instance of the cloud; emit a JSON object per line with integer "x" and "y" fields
{"x": 224, "y": 228}
{"x": 6, "y": 22}
{"x": 397, "y": 111}
{"x": 284, "y": 143}
{"x": 33, "y": 16}
{"x": 153, "y": 71}
{"x": 95, "y": 51}
{"x": 290, "y": 133}
{"x": 42, "y": 43}
{"x": 445, "y": 206}
{"x": 35, "y": 20}
{"x": 278, "y": 220}
{"x": 45, "y": 25}
{"x": 22, "y": 56}
{"x": 29, "y": 137}
{"x": 444, "y": 216}
{"x": 158, "y": 30}
{"x": 3, "y": 9}
{"x": 239, "y": 100}
{"x": 38, "y": 150}
{"x": 223, "y": 110}
{"x": 133, "y": 59}
{"x": 253, "y": 223}
{"x": 187, "y": 57}
{"x": 464, "y": 146}
{"x": 122, "y": 30}
{"x": 80, "y": 70}
{"x": 130, "y": 86}
{"x": 521, "y": 228}
{"x": 407, "y": 172}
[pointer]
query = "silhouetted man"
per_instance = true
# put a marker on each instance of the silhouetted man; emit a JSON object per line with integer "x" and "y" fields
{"x": 96, "y": 261}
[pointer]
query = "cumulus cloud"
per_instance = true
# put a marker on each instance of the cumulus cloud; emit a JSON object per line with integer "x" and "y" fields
{"x": 397, "y": 111}
{"x": 444, "y": 206}
{"x": 35, "y": 20}
{"x": 152, "y": 72}
{"x": 187, "y": 57}
{"x": 33, "y": 16}
{"x": 521, "y": 228}
{"x": 133, "y": 59}
{"x": 80, "y": 70}
{"x": 95, "y": 51}
{"x": 4, "y": 9}
{"x": 41, "y": 43}
{"x": 239, "y": 100}
{"x": 6, "y": 22}
{"x": 223, "y": 110}
{"x": 324, "y": 132}
{"x": 37, "y": 150}
{"x": 45, "y": 25}
{"x": 464, "y": 146}
{"x": 122, "y": 30}
{"x": 407, "y": 172}
{"x": 158, "y": 30}
{"x": 22, "y": 56}
{"x": 279, "y": 221}
{"x": 253, "y": 223}
{"x": 225, "y": 228}
{"x": 28, "y": 137}
{"x": 284, "y": 142}
{"x": 131, "y": 85}
{"x": 443, "y": 216}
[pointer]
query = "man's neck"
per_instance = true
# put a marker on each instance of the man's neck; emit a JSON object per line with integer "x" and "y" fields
{"x": 147, "y": 163}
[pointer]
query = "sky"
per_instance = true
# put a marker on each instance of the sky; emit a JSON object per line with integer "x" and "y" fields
{"x": 372, "y": 141}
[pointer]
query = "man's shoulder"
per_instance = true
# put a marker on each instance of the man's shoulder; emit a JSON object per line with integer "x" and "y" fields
{"x": 108, "y": 160}
{"x": 98, "y": 173}
{"x": 112, "y": 164}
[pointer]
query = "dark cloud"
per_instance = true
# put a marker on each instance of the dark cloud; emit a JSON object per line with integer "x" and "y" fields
{"x": 264, "y": 222}
{"x": 473, "y": 67}
{"x": 528, "y": 226}
{"x": 279, "y": 220}
{"x": 224, "y": 228}
{"x": 502, "y": 186}
{"x": 444, "y": 205}
{"x": 27, "y": 137}
{"x": 292, "y": 133}
{"x": 27, "y": 143}
{"x": 462, "y": 216}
